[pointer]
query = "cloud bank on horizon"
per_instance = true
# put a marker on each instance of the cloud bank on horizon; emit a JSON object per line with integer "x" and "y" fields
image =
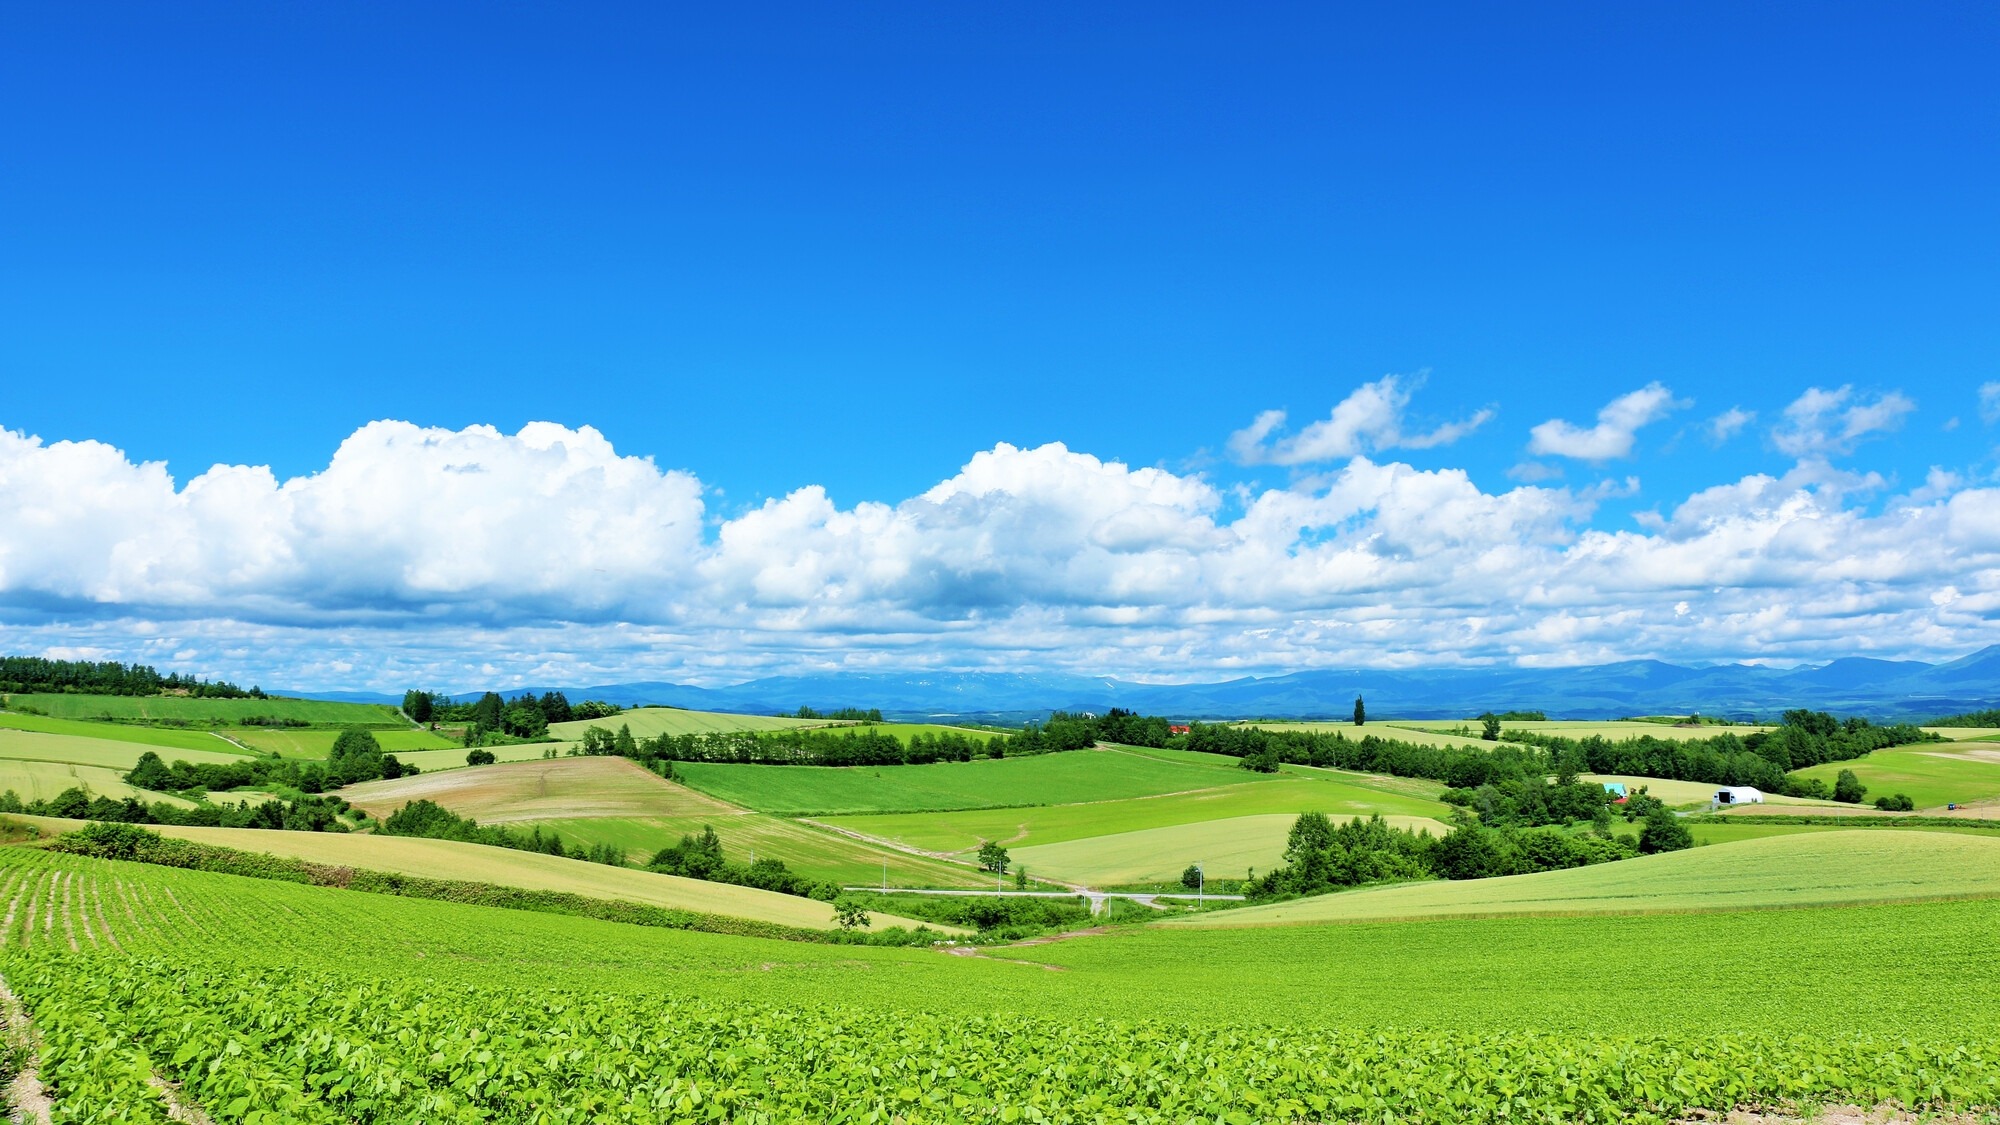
{"x": 441, "y": 556}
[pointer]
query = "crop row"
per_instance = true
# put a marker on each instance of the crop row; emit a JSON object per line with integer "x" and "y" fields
{"x": 255, "y": 1043}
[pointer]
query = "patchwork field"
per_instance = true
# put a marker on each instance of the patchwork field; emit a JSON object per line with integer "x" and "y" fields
{"x": 1932, "y": 775}
{"x": 647, "y": 722}
{"x": 1818, "y": 869}
{"x": 1229, "y": 848}
{"x": 1290, "y": 793}
{"x": 1044, "y": 779}
{"x": 1426, "y": 734}
{"x": 174, "y": 708}
{"x": 449, "y": 859}
{"x": 613, "y": 801}
{"x": 1615, "y": 731}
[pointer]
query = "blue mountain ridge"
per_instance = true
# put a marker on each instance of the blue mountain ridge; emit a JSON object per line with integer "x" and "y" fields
{"x": 1880, "y": 689}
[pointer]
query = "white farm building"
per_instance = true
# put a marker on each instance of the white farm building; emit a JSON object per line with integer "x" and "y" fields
{"x": 1738, "y": 795}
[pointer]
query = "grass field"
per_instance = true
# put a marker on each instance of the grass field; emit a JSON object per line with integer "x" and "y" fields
{"x": 294, "y": 743}
{"x": 1965, "y": 734}
{"x": 1932, "y": 775}
{"x": 647, "y": 722}
{"x": 104, "y": 752}
{"x": 1697, "y": 792}
{"x": 222, "y": 712}
{"x": 430, "y": 761}
{"x": 1816, "y": 869}
{"x": 1226, "y": 849}
{"x": 613, "y": 801}
{"x": 1289, "y": 793}
{"x": 1044, "y": 779}
{"x": 154, "y": 738}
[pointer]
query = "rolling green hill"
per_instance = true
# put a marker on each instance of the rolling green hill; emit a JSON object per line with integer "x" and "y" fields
{"x": 162, "y": 739}
{"x": 104, "y": 752}
{"x": 1819, "y": 869}
{"x": 1932, "y": 775}
{"x": 1045, "y": 779}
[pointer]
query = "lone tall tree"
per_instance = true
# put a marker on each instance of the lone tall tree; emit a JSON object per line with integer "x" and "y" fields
{"x": 1360, "y": 712}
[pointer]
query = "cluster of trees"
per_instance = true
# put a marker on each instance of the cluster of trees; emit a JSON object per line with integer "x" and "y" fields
{"x": 846, "y": 714}
{"x": 526, "y": 716}
{"x": 700, "y": 857}
{"x": 853, "y": 746}
{"x": 432, "y": 821}
{"x": 355, "y": 757}
{"x": 307, "y": 814}
{"x": 84, "y": 677}
{"x": 1066, "y": 731}
{"x": 1321, "y": 856}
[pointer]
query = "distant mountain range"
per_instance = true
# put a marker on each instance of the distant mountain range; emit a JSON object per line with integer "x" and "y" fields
{"x": 1881, "y": 689}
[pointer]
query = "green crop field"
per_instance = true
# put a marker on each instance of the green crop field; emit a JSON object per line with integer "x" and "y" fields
{"x": 1817, "y": 869}
{"x": 1932, "y": 775}
{"x": 647, "y": 722}
{"x": 1336, "y": 794}
{"x": 219, "y": 712}
{"x": 295, "y": 743}
{"x": 112, "y": 755}
{"x": 612, "y": 801}
{"x": 162, "y": 739}
{"x": 131, "y": 974}
{"x": 1696, "y": 792}
{"x": 1226, "y": 848}
{"x": 1044, "y": 779}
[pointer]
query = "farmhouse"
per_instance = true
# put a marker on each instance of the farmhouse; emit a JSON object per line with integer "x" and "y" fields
{"x": 1738, "y": 795}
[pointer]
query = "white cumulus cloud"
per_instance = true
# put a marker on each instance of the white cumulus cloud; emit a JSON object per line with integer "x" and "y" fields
{"x": 1822, "y": 423}
{"x": 1729, "y": 423}
{"x": 1617, "y": 425}
{"x": 1989, "y": 402}
{"x": 428, "y": 555}
{"x": 1369, "y": 420}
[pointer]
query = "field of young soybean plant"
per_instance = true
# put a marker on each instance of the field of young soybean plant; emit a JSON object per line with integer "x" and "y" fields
{"x": 267, "y": 1001}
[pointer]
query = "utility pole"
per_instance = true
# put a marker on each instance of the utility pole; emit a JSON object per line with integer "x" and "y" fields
{"x": 1200, "y": 884}
{"x": 885, "y": 876}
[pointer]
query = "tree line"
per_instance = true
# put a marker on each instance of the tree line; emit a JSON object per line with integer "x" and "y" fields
{"x": 306, "y": 814}
{"x": 491, "y": 717}
{"x": 24, "y": 674}
{"x": 1760, "y": 759}
{"x": 855, "y": 746}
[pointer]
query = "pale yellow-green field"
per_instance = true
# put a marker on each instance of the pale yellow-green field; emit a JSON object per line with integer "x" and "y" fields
{"x": 477, "y": 863}
{"x": 39, "y": 781}
{"x": 431, "y": 761}
{"x": 1225, "y": 849}
{"x": 1817, "y": 869}
{"x": 33, "y": 746}
{"x": 1961, "y": 734}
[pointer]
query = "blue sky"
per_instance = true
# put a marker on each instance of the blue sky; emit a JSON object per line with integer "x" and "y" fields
{"x": 776, "y": 248}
